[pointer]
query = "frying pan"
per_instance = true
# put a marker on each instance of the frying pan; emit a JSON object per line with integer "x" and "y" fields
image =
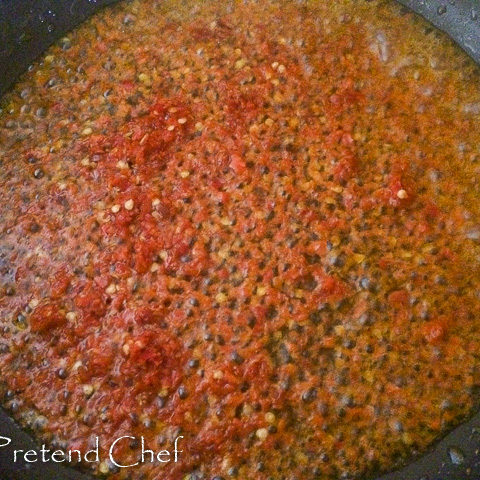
{"x": 28, "y": 27}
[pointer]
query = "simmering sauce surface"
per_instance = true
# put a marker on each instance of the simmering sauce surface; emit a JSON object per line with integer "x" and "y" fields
{"x": 253, "y": 224}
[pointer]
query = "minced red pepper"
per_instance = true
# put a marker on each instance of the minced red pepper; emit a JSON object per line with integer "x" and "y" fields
{"x": 251, "y": 224}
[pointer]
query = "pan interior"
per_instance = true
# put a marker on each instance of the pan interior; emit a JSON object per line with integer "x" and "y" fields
{"x": 254, "y": 225}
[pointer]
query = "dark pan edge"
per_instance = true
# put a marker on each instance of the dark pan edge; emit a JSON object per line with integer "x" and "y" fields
{"x": 29, "y": 27}
{"x": 460, "y": 19}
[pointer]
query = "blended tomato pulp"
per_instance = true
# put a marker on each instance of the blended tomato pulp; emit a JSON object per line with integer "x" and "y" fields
{"x": 253, "y": 226}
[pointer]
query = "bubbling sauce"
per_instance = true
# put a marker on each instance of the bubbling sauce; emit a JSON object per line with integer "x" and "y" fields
{"x": 254, "y": 224}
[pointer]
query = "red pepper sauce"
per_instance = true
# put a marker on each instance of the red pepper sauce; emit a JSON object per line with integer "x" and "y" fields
{"x": 252, "y": 224}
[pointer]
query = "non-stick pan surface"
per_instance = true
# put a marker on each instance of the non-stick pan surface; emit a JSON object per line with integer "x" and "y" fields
{"x": 28, "y": 27}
